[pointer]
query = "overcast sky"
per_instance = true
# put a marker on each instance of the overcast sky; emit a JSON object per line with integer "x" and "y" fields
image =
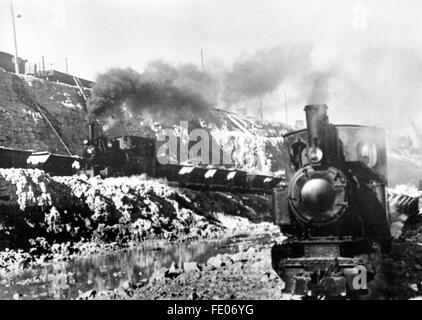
{"x": 95, "y": 35}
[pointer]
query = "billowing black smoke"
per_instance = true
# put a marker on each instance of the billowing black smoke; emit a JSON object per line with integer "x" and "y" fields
{"x": 171, "y": 93}
{"x": 318, "y": 87}
{"x": 144, "y": 93}
{"x": 165, "y": 91}
{"x": 263, "y": 72}
{"x": 187, "y": 77}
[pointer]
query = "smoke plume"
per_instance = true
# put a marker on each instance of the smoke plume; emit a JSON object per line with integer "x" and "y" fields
{"x": 372, "y": 81}
{"x": 169, "y": 93}
{"x": 319, "y": 88}
{"x": 262, "y": 73}
{"x": 137, "y": 93}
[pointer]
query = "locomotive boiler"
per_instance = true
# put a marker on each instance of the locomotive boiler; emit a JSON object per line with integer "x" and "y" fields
{"x": 332, "y": 207}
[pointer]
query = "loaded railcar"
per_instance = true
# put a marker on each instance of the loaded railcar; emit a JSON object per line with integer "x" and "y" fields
{"x": 13, "y": 158}
{"x": 332, "y": 207}
{"x": 237, "y": 180}
{"x": 218, "y": 179}
{"x": 193, "y": 177}
{"x": 54, "y": 164}
{"x": 131, "y": 155}
{"x": 259, "y": 181}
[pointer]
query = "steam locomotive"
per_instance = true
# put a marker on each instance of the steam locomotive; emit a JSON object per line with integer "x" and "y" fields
{"x": 332, "y": 208}
{"x": 129, "y": 155}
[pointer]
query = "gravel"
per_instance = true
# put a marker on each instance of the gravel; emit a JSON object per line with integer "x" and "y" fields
{"x": 57, "y": 218}
{"x": 244, "y": 275}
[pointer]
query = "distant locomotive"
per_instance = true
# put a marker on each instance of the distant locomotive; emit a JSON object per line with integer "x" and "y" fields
{"x": 332, "y": 207}
{"x": 129, "y": 155}
{"x": 125, "y": 155}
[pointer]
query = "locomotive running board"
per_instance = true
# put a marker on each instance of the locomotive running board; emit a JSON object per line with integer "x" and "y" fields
{"x": 321, "y": 269}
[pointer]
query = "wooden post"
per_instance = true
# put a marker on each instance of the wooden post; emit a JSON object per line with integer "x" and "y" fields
{"x": 202, "y": 59}
{"x": 285, "y": 106}
{"x": 14, "y": 38}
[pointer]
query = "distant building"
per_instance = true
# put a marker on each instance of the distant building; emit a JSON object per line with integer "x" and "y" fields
{"x": 31, "y": 68}
{"x": 7, "y": 62}
{"x": 57, "y": 76}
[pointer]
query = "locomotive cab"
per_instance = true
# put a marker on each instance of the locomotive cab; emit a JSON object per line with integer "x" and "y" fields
{"x": 124, "y": 155}
{"x": 332, "y": 206}
{"x": 102, "y": 157}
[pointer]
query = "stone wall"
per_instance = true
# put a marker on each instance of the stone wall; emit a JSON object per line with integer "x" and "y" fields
{"x": 23, "y": 126}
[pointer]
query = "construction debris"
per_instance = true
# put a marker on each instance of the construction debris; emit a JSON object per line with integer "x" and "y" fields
{"x": 59, "y": 216}
{"x": 403, "y": 203}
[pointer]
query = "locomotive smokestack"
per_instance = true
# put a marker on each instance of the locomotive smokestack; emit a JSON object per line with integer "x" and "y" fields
{"x": 316, "y": 121}
{"x": 90, "y": 131}
{"x": 324, "y": 145}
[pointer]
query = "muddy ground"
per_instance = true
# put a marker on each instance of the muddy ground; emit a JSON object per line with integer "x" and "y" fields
{"x": 45, "y": 220}
{"x": 51, "y": 218}
{"x": 243, "y": 275}
{"x": 248, "y": 275}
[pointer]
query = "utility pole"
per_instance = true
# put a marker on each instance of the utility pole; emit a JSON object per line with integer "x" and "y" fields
{"x": 202, "y": 59}
{"x": 43, "y": 63}
{"x": 417, "y": 131}
{"x": 260, "y": 113}
{"x": 285, "y": 106}
{"x": 14, "y": 37}
{"x": 67, "y": 69}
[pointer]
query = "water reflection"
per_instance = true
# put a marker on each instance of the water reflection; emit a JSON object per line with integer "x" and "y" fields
{"x": 64, "y": 280}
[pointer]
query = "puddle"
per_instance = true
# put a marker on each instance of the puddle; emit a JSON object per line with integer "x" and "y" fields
{"x": 64, "y": 280}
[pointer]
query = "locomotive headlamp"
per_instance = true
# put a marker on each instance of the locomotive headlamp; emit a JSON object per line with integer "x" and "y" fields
{"x": 86, "y": 141}
{"x": 368, "y": 154}
{"x": 90, "y": 150}
{"x": 315, "y": 154}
